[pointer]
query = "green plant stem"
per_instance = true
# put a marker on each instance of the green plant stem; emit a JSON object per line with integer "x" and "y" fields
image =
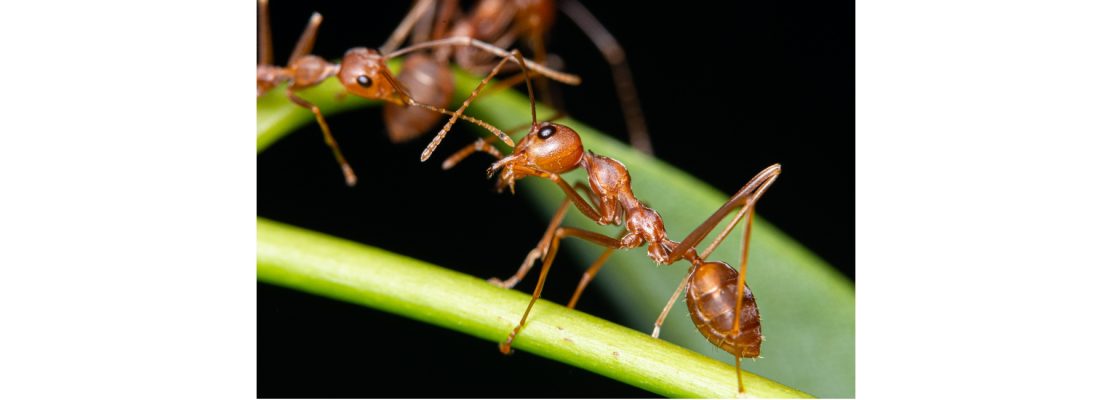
{"x": 351, "y": 272}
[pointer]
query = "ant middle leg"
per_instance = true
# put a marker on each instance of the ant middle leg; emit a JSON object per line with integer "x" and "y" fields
{"x": 561, "y": 232}
{"x": 347, "y": 172}
{"x": 590, "y": 274}
{"x": 540, "y": 249}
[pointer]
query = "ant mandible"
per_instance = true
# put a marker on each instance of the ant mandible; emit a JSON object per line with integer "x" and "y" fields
{"x": 721, "y": 305}
{"x": 362, "y": 71}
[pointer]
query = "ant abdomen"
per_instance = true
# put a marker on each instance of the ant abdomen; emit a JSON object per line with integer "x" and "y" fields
{"x": 711, "y": 302}
{"x": 427, "y": 81}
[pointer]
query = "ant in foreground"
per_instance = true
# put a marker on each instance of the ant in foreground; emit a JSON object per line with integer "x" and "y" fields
{"x": 721, "y": 305}
{"x": 362, "y": 71}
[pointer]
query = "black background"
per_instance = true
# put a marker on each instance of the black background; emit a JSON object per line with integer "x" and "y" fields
{"x": 727, "y": 89}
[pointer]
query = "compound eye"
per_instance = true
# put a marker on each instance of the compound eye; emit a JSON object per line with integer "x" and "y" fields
{"x": 546, "y": 131}
{"x": 364, "y": 81}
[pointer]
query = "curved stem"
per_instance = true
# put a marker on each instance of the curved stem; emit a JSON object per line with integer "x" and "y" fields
{"x": 343, "y": 270}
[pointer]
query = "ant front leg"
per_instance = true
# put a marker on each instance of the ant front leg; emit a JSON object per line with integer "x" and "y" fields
{"x": 582, "y": 205}
{"x": 347, "y": 172}
{"x": 561, "y": 232}
{"x": 479, "y": 146}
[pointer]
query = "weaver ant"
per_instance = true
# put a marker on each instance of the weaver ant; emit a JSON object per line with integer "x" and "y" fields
{"x": 721, "y": 305}
{"x": 362, "y": 71}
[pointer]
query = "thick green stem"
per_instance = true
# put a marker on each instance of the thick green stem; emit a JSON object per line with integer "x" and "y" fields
{"x": 351, "y": 272}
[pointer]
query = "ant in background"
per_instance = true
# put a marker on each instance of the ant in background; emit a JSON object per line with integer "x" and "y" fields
{"x": 721, "y": 305}
{"x": 504, "y": 22}
{"x": 362, "y": 71}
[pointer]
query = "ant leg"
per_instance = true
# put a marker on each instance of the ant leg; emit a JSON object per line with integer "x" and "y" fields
{"x": 535, "y": 254}
{"x": 561, "y": 232}
{"x": 542, "y": 248}
{"x": 307, "y": 39}
{"x": 582, "y": 205}
{"x": 589, "y": 275}
{"x": 264, "y": 34}
{"x": 351, "y": 179}
{"x": 620, "y": 70}
{"x": 398, "y": 35}
{"x": 447, "y": 126}
{"x": 746, "y": 197}
{"x": 479, "y": 146}
{"x": 739, "y": 374}
{"x": 669, "y": 306}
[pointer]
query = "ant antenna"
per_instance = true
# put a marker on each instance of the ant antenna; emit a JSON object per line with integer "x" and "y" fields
{"x": 459, "y": 112}
{"x": 528, "y": 85}
{"x": 489, "y": 48}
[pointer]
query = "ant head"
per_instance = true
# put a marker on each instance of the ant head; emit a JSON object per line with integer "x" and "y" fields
{"x": 362, "y": 73}
{"x": 552, "y": 147}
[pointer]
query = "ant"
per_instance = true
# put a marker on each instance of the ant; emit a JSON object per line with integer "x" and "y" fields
{"x": 721, "y": 305}
{"x": 502, "y": 22}
{"x": 362, "y": 71}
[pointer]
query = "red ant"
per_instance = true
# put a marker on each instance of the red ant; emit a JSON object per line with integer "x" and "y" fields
{"x": 720, "y": 303}
{"x": 362, "y": 71}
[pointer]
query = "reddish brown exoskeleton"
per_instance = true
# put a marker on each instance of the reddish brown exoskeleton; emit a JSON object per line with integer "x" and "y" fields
{"x": 362, "y": 71}
{"x": 720, "y": 303}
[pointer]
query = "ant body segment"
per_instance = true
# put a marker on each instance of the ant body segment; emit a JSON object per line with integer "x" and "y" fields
{"x": 721, "y": 305}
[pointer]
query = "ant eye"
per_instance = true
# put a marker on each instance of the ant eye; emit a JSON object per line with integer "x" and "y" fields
{"x": 546, "y": 131}
{"x": 364, "y": 81}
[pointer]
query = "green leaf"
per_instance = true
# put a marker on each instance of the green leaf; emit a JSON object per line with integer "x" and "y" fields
{"x": 808, "y": 309}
